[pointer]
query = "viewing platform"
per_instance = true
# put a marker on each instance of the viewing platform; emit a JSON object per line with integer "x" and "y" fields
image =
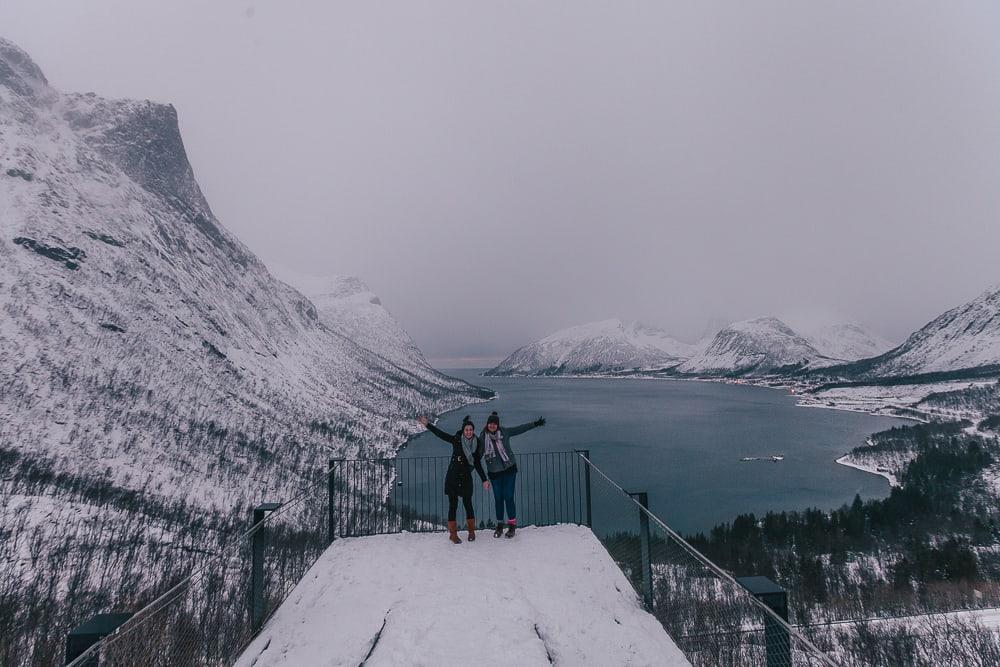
{"x": 357, "y": 570}
{"x": 550, "y": 595}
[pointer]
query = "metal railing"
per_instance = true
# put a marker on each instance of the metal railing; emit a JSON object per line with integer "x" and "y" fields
{"x": 211, "y": 615}
{"x": 713, "y": 618}
{"x": 377, "y": 496}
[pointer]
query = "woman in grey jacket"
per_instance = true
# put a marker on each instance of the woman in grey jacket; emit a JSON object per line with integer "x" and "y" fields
{"x": 501, "y": 466}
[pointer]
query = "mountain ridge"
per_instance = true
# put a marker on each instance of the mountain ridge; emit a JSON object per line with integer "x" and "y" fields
{"x": 156, "y": 381}
{"x": 604, "y": 346}
{"x": 960, "y": 342}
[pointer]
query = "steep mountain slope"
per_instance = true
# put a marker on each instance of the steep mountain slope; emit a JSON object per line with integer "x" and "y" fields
{"x": 847, "y": 342}
{"x": 965, "y": 341}
{"x": 348, "y": 306}
{"x": 760, "y": 346}
{"x": 155, "y": 379}
{"x": 598, "y": 347}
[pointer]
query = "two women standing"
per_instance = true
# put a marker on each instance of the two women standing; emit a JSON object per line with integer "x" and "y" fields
{"x": 468, "y": 450}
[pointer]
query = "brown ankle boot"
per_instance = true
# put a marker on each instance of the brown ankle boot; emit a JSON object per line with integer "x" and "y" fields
{"x": 471, "y": 524}
{"x": 453, "y": 532}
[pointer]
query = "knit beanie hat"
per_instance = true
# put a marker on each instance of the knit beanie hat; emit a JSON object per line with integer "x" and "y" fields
{"x": 493, "y": 419}
{"x": 467, "y": 421}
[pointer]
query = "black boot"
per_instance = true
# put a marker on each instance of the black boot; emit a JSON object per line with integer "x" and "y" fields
{"x": 499, "y": 531}
{"x": 510, "y": 529}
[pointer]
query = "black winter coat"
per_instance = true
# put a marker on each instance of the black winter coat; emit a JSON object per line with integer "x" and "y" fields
{"x": 458, "y": 481}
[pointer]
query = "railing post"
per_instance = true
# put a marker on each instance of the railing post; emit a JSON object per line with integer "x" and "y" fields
{"x": 332, "y": 499}
{"x": 85, "y": 635}
{"x": 257, "y": 566}
{"x": 647, "y": 567}
{"x": 777, "y": 644}
{"x": 586, "y": 485}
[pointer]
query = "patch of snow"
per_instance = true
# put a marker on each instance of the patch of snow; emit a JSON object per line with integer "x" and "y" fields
{"x": 903, "y": 400}
{"x": 550, "y": 595}
{"x": 850, "y": 462}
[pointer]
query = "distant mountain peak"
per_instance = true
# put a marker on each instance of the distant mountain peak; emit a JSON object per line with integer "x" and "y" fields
{"x": 848, "y": 341}
{"x": 348, "y": 305}
{"x": 605, "y": 346}
{"x": 964, "y": 339}
{"x": 758, "y": 346}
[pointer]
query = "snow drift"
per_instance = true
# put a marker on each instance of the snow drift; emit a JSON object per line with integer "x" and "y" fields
{"x": 550, "y": 596}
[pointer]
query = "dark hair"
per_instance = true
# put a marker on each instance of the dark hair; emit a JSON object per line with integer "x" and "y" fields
{"x": 494, "y": 418}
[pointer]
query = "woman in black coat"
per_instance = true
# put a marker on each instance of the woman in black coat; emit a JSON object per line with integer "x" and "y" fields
{"x": 466, "y": 453}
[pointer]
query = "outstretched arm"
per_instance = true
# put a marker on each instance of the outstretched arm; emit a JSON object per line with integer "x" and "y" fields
{"x": 447, "y": 437}
{"x": 477, "y": 461}
{"x": 523, "y": 428}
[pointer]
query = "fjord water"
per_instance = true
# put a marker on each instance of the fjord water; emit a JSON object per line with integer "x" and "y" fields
{"x": 682, "y": 441}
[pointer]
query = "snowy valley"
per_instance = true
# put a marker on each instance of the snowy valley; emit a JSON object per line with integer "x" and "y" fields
{"x": 155, "y": 380}
{"x": 842, "y": 366}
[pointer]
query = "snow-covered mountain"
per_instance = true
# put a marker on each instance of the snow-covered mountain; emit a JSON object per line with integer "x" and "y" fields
{"x": 847, "y": 342}
{"x": 154, "y": 377}
{"x": 598, "y": 347}
{"x": 347, "y": 305}
{"x": 964, "y": 339}
{"x": 760, "y": 346}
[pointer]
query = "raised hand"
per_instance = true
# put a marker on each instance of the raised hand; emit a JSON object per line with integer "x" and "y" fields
{"x": 423, "y": 420}
{"x": 540, "y": 422}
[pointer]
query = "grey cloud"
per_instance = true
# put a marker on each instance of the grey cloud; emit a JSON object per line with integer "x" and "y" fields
{"x": 496, "y": 171}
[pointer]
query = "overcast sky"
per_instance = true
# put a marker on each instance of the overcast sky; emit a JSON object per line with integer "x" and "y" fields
{"x": 499, "y": 170}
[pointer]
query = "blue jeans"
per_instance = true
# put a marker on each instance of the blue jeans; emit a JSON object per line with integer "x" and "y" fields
{"x": 503, "y": 494}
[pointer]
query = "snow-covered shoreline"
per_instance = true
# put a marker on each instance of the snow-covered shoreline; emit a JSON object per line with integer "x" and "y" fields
{"x": 897, "y": 401}
{"x": 888, "y": 476}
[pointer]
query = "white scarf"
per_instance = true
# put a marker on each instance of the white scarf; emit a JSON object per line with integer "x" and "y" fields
{"x": 468, "y": 447}
{"x": 494, "y": 446}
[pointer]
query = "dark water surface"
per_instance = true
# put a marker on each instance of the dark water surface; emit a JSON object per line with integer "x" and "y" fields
{"x": 682, "y": 442}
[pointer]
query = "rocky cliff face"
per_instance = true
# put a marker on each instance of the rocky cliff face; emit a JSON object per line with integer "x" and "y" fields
{"x": 145, "y": 351}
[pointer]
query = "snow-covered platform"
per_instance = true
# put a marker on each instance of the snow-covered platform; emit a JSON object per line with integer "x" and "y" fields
{"x": 549, "y": 596}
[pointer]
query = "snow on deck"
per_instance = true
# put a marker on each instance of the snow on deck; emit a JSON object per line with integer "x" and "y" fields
{"x": 550, "y": 596}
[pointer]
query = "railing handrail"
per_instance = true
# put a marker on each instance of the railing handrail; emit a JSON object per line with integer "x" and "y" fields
{"x": 441, "y": 456}
{"x": 718, "y": 571}
{"x": 162, "y": 601}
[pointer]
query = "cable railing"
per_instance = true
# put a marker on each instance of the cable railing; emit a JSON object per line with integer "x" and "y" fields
{"x": 212, "y": 614}
{"x": 712, "y": 617}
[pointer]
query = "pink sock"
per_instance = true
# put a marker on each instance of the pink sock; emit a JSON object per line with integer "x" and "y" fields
{"x": 512, "y": 522}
